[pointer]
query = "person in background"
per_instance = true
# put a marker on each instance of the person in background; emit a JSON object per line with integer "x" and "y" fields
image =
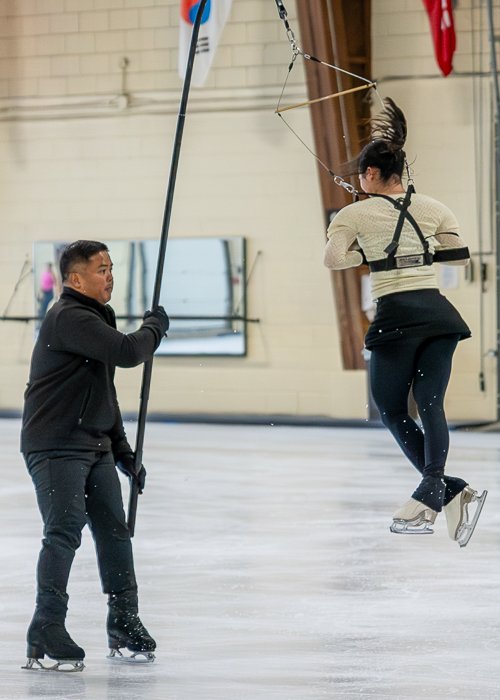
{"x": 72, "y": 438}
{"x": 46, "y": 290}
{"x": 401, "y": 235}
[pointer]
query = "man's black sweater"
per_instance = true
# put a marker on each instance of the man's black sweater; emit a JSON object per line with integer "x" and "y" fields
{"x": 70, "y": 400}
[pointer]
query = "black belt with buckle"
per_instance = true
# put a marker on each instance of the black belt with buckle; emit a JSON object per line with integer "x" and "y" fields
{"x": 400, "y": 262}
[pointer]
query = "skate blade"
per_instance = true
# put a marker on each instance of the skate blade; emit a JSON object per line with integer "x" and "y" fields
{"x": 466, "y": 530}
{"x": 412, "y": 527}
{"x": 76, "y": 665}
{"x": 137, "y": 657}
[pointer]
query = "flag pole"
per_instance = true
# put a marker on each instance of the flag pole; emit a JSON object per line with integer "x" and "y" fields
{"x": 148, "y": 366}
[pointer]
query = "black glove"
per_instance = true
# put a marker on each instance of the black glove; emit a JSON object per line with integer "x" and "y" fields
{"x": 125, "y": 463}
{"x": 160, "y": 315}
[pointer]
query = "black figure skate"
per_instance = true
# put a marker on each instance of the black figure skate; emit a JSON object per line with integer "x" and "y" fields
{"x": 125, "y": 630}
{"x": 46, "y": 638}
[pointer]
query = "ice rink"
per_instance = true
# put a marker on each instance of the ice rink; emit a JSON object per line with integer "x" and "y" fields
{"x": 267, "y": 571}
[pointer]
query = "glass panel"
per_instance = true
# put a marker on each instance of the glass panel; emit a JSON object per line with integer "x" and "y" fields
{"x": 203, "y": 290}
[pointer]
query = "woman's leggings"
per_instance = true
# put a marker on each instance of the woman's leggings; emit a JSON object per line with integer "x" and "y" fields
{"x": 425, "y": 364}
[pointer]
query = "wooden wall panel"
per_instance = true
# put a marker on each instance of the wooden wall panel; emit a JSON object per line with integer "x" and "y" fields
{"x": 338, "y": 31}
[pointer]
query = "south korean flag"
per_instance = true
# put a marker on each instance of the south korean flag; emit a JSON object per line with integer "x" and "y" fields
{"x": 213, "y": 20}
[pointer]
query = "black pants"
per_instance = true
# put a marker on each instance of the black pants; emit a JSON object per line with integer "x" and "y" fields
{"x": 425, "y": 364}
{"x": 74, "y": 488}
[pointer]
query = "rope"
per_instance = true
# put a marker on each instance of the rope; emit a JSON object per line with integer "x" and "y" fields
{"x": 297, "y": 51}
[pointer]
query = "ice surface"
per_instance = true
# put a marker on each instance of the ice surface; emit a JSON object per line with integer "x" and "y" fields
{"x": 267, "y": 571}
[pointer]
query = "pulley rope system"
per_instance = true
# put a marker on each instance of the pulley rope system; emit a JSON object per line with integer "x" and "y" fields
{"x": 297, "y": 51}
{"x": 391, "y": 260}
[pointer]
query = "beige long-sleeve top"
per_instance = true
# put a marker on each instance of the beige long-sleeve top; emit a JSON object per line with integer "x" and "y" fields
{"x": 370, "y": 225}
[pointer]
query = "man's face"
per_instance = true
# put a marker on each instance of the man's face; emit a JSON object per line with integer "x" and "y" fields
{"x": 94, "y": 278}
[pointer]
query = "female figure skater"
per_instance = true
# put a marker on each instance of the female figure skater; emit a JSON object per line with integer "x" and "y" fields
{"x": 401, "y": 235}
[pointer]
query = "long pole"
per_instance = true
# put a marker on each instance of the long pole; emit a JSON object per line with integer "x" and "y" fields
{"x": 148, "y": 366}
{"x": 496, "y": 93}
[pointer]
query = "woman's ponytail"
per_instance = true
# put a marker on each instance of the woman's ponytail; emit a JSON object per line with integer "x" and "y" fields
{"x": 385, "y": 150}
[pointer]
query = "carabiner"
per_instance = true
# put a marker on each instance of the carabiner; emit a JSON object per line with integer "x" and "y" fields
{"x": 338, "y": 180}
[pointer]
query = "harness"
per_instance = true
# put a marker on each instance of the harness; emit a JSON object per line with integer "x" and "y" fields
{"x": 393, "y": 261}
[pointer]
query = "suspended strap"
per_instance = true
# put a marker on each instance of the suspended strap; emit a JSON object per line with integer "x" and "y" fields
{"x": 392, "y": 261}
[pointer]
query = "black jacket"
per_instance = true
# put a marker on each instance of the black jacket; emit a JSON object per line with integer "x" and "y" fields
{"x": 70, "y": 399}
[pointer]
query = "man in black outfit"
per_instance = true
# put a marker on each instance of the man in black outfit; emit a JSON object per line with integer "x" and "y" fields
{"x": 72, "y": 438}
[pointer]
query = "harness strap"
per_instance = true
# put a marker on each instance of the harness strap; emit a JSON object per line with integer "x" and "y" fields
{"x": 389, "y": 263}
{"x": 451, "y": 254}
{"x": 404, "y": 214}
{"x": 392, "y": 261}
{"x": 419, "y": 259}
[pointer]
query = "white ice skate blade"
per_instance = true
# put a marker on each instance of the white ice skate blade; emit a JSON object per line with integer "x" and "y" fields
{"x": 466, "y": 530}
{"x": 137, "y": 657}
{"x": 408, "y": 527}
{"x": 59, "y": 666}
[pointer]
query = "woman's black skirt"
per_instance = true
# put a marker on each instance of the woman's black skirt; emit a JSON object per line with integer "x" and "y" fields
{"x": 422, "y": 313}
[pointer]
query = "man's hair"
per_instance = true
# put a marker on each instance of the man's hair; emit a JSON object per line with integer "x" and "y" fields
{"x": 78, "y": 252}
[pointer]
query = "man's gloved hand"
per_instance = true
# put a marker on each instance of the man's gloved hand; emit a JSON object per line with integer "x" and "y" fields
{"x": 160, "y": 315}
{"x": 125, "y": 463}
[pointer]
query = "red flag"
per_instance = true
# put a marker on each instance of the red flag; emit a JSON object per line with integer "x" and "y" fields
{"x": 443, "y": 32}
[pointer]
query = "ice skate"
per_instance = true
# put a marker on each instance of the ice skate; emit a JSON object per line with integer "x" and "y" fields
{"x": 125, "y": 630}
{"x": 138, "y": 657}
{"x": 51, "y": 639}
{"x": 414, "y": 518}
{"x": 461, "y": 525}
{"x": 133, "y": 636}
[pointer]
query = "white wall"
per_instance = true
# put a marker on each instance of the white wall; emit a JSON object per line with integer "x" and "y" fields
{"x": 451, "y": 146}
{"x": 74, "y": 163}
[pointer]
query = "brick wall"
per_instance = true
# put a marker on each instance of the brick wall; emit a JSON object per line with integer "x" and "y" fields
{"x": 75, "y": 163}
{"x": 75, "y": 47}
